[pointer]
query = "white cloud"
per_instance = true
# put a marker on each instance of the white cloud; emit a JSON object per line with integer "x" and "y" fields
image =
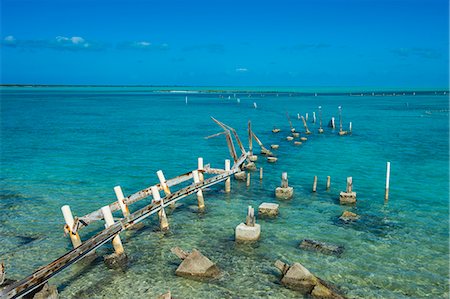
{"x": 143, "y": 44}
{"x": 10, "y": 39}
{"x": 77, "y": 40}
{"x": 241, "y": 70}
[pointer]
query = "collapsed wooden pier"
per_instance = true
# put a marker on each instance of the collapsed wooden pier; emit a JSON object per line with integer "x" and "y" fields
{"x": 113, "y": 229}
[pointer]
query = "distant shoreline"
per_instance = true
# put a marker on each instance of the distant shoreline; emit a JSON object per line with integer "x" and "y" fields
{"x": 283, "y": 90}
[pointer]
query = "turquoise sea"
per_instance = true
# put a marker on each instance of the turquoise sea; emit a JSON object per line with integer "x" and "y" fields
{"x": 73, "y": 145}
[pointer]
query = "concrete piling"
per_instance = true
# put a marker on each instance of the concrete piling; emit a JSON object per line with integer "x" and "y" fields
{"x": 328, "y": 182}
{"x": 348, "y": 197}
{"x": 261, "y": 173}
{"x": 68, "y": 218}
{"x": 109, "y": 220}
{"x": 162, "y": 181}
{"x": 388, "y": 175}
{"x": 250, "y": 230}
{"x": 228, "y": 180}
{"x": 200, "y": 168}
{"x": 163, "y": 223}
{"x": 200, "y": 199}
{"x": 314, "y": 188}
{"x": 284, "y": 192}
{"x": 248, "y": 179}
{"x": 121, "y": 201}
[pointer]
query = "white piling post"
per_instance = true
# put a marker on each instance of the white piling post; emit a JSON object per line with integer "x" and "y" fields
{"x": 350, "y": 127}
{"x": 328, "y": 182}
{"x": 314, "y": 184}
{"x": 314, "y": 117}
{"x": 349, "y": 184}
{"x": 162, "y": 181}
{"x": 117, "y": 243}
{"x": 163, "y": 223}
{"x": 284, "y": 180}
{"x": 298, "y": 115}
{"x": 248, "y": 179}
{"x": 332, "y": 123}
{"x": 121, "y": 201}
{"x": 261, "y": 173}
{"x": 200, "y": 199}
{"x": 68, "y": 218}
{"x": 306, "y": 116}
{"x": 228, "y": 180}
{"x": 388, "y": 175}
{"x": 200, "y": 168}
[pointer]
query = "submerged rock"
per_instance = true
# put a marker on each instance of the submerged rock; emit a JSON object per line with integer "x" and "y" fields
{"x": 297, "y": 277}
{"x": 322, "y": 247}
{"x": 47, "y": 292}
{"x": 2, "y": 273}
{"x": 349, "y": 216}
{"x": 167, "y": 295}
{"x": 195, "y": 264}
{"x": 116, "y": 261}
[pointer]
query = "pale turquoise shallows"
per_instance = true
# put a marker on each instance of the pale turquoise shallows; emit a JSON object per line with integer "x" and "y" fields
{"x": 73, "y": 145}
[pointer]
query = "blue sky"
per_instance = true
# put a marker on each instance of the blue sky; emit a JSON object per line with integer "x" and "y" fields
{"x": 379, "y": 43}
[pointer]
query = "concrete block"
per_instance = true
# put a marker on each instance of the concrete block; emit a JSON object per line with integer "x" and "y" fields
{"x": 347, "y": 197}
{"x": 247, "y": 233}
{"x": 268, "y": 209}
{"x": 284, "y": 193}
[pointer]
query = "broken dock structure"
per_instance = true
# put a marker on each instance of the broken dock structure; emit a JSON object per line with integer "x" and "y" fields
{"x": 74, "y": 225}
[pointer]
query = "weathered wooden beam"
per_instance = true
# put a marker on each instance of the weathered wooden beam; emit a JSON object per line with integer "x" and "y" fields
{"x": 250, "y": 138}
{"x": 264, "y": 150}
{"x": 231, "y": 147}
{"x": 215, "y": 135}
{"x": 226, "y": 127}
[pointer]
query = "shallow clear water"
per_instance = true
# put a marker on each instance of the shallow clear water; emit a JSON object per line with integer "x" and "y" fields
{"x": 72, "y": 146}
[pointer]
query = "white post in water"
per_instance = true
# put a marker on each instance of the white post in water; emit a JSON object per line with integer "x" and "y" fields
{"x": 388, "y": 175}
{"x": 228, "y": 180}
{"x": 200, "y": 168}
{"x": 163, "y": 223}
{"x": 68, "y": 218}
{"x": 350, "y": 127}
{"x": 284, "y": 180}
{"x": 117, "y": 243}
{"x": 200, "y": 199}
{"x": 340, "y": 118}
{"x": 121, "y": 201}
{"x": 298, "y": 115}
{"x": 248, "y": 179}
{"x": 349, "y": 184}
{"x": 314, "y": 117}
{"x": 314, "y": 184}
{"x": 162, "y": 181}
{"x": 332, "y": 123}
{"x": 261, "y": 173}
{"x": 306, "y": 116}
{"x": 328, "y": 182}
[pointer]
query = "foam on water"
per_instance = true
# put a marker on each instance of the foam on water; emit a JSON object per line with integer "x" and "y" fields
{"x": 61, "y": 146}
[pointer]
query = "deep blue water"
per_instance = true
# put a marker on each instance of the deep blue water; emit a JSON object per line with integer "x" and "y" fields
{"x": 72, "y": 146}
